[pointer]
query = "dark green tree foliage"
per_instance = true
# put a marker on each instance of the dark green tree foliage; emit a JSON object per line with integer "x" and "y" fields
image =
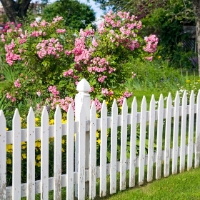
{"x": 76, "y": 15}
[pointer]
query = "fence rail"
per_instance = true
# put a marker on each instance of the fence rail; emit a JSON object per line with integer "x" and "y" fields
{"x": 173, "y": 133}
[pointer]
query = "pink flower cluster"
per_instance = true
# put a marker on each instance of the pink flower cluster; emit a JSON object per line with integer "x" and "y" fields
{"x": 37, "y": 33}
{"x": 60, "y": 31}
{"x": 101, "y": 78}
{"x": 152, "y": 42}
{"x": 125, "y": 95}
{"x": 100, "y": 65}
{"x": 49, "y": 47}
{"x": 97, "y": 104}
{"x": 123, "y": 29}
{"x": 17, "y": 83}
{"x": 53, "y": 90}
{"x": 10, "y": 55}
{"x": 107, "y": 92}
{"x": 63, "y": 103}
{"x": 9, "y": 96}
{"x": 69, "y": 72}
{"x": 56, "y": 100}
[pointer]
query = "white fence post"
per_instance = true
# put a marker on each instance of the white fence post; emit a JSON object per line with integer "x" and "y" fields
{"x": 82, "y": 98}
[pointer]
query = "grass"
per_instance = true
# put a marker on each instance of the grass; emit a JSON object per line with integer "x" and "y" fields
{"x": 182, "y": 186}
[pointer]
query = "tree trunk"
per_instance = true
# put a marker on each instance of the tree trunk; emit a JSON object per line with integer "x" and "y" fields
{"x": 15, "y": 9}
{"x": 196, "y": 6}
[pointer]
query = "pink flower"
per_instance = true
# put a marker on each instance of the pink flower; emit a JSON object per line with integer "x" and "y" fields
{"x": 149, "y": 58}
{"x": 60, "y": 31}
{"x": 94, "y": 42}
{"x": 17, "y": 83}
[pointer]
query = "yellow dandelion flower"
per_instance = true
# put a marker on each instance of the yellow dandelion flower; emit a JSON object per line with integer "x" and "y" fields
{"x": 37, "y": 119}
{"x": 198, "y": 80}
{"x": 97, "y": 115}
{"x": 38, "y": 143}
{"x": 120, "y": 107}
{"x": 51, "y": 139}
{"x": 21, "y": 119}
{"x": 9, "y": 148}
{"x": 99, "y": 141}
{"x": 23, "y": 156}
{"x": 23, "y": 143}
{"x": 64, "y": 121}
{"x": 106, "y": 102}
{"x": 38, "y": 164}
{"x": 63, "y": 141}
{"x": 9, "y": 161}
{"x": 23, "y": 146}
{"x": 187, "y": 81}
{"x": 97, "y": 134}
{"x": 51, "y": 121}
{"x": 159, "y": 57}
{"x": 7, "y": 129}
{"x": 38, "y": 157}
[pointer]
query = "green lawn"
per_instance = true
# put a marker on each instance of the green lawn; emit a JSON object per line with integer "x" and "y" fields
{"x": 182, "y": 186}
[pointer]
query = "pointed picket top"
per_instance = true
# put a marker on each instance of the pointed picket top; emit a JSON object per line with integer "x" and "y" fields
{"x": 124, "y": 105}
{"x": 177, "y": 98}
{"x": 134, "y": 105}
{"x": 144, "y": 103}
{"x": 185, "y": 94}
{"x": 83, "y": 86}
{"x": 198, "y": 96}
{"x": 169, "y": 99}
{"x": 104, "y": 107}
{"x": 2, "y": 116}
{"x": 70, "y": 111}
{"x": 160, "y": 101}
{"x": 152, "y": 101}
{"x": 30, "y": 113}
{"x": 44, "y": 112}
{"x": 58, "y": 112}
{"x": 16, "y": 118}
{"x": 114, "y": 105}
{"x": 93, "y": 106}
{"x": 192, "y": 96}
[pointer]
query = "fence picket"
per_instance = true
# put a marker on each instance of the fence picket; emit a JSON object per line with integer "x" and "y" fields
{"x": 159, "y": 138}
{"x": 197, "y": 142}
{"x": 183, "y": 131}
{"x": 190, "y": 132}
{"x": 3, "y": 156}
{"x": 175, "y": 134}
{"x": 81, "y": 154}
{"x": 31, "y": 155}
{"x": 123, "y": 145}
{"x": 133, "y": 143}
{"x": 151, "y": 140}
{"x": 167, "y": 136}
{"x": 113, "y": 153}
{"x": 142, "y": 142}
{"x": 103, "y": 150}
{"x": 70, "y": 154}
{"x": 44, "y": 154}
{"x": 92, "y": 158}
{"x": 57, "y": 153}
{"x": 16, "y": 163}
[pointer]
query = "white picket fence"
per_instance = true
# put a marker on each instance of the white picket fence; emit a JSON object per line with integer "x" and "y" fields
{"x": 82, "y": 173}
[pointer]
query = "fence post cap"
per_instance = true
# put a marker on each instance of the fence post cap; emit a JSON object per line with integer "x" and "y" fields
{"x": 83, "y": 86}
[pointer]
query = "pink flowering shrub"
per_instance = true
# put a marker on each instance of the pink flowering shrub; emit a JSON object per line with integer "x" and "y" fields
{"x": 49, "y": 60}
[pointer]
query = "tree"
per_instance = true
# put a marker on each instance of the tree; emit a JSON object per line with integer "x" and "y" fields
{"x": 76, "y": 15}
{"x": 196, "y": 6}
{"x": 15, "y": 9}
